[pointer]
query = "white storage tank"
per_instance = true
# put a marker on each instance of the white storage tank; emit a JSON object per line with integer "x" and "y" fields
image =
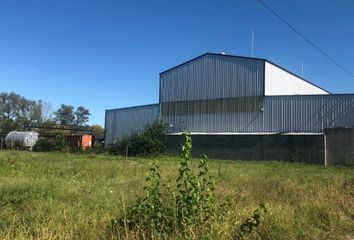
{"x": 23, "y": 140}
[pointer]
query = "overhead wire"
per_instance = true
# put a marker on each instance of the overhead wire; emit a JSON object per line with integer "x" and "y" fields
{"x": 306, "y": 38}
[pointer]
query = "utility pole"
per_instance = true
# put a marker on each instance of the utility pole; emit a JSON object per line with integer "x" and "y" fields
{"x": 252, "y": 44}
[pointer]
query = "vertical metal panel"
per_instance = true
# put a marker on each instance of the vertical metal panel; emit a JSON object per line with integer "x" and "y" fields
{"x": 281, "y": 114}
{"x": 213, "y": 76}
{"x": 281, "y": 82}
{"x": 124, "y": 121}
{"x": 219, "y": 122}
{"x": 308, "y": 113}
{"x": 213, "y": 93}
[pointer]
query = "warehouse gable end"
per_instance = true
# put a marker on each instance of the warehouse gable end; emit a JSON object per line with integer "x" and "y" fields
{"x": 276, "y": 79}
{"x": 213, "y": 76}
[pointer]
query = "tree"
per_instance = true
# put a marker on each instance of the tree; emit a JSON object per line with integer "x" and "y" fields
{"x": 81, "y": 116}
{"x": 65, "y": 116}
{"x": 29, "y": 114}
{"x": 8, "y": 110}
{"x": 46, "y": 111}
{"x": 97, "y": 130}
{"x": 9, "y": 104}
{"x": 17, "y": 112}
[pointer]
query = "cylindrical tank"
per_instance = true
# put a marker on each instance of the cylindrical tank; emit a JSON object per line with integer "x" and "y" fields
{"x": 24, "y": 140}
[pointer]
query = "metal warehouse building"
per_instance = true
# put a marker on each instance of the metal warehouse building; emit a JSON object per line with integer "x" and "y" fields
{"x": 239, "y": 108}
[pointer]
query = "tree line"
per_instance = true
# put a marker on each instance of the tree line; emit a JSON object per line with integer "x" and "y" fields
{"x": 20, "y": 113}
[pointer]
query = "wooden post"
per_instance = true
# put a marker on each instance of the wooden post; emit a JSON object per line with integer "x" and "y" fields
{"x": 325, "y": 150}
{"x": 126, "y": 151}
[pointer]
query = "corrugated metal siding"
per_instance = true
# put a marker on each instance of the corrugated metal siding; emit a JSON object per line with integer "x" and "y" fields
{"x": 213, "y": 76}
{"x": 124, "y": 121}
{"x": 220, "y": 122}
{"x": 280, "y": 114}
{"x": 280, "y": 82}
{"x": 221, "y": 105}
{"x": 307, "y": 113}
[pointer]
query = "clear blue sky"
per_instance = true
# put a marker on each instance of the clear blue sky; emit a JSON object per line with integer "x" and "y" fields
{"x": 105, "y": 54}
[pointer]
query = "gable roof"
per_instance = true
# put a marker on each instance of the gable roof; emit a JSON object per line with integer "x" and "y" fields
{"x": 243, "y": 57}
{"x": 213, "y": 54}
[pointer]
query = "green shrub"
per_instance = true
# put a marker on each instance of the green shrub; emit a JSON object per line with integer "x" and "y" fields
{"x": 187, "y": 211}
{"x": 251, "y": 223}
{"x": 98, "y": 147}
{"x": 44, "y": 145}
{"x": 59, "y": 142}
{"x": 49, "y": 145}
{"x": 151, "y": 141}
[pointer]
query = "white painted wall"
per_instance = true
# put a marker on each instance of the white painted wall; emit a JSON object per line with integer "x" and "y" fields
{"x": 281, "y": 82}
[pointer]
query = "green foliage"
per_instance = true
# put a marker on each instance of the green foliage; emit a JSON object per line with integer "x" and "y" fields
{"x": 251, "y": 223}
{"x": 98, "y": 147}
{"x": 17, "y": 112}
{"x": 49, "y": 145}
{"x": 59, "y": 142}
{"x": 188, "y": 209}
{"x": 195, "y": 205}
{"x": 151, "y": 214}
{"x": 67, "y": 117}
{"x": 97, "y": 130}
{"x": 81, "y": 116}
{"x": 44, "y": 145}
{"x": 151, "y": 141}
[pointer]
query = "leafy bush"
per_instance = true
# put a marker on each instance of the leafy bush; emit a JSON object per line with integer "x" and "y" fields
{"x": 44, "y": 145}
{"x": 151, "y": 141}
{"x": 251, "y": 223}
{"x": 187, "y": 211}
{"x": 59, "y": 142}
{"x": 49, "y": 145}
{"x": 98, "y": 147}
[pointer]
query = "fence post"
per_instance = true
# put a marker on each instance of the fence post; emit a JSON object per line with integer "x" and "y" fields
{"x": 126, "y": 151}
{"x": 325, "y": 149}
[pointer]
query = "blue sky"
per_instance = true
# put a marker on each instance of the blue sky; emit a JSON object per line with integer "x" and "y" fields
{"x": 105, "y": 54}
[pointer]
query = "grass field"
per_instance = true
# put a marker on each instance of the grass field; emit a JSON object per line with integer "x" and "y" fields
{"x": 74, "y": 196}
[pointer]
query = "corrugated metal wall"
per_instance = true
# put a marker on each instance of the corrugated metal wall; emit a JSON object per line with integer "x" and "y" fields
{"x": 308, "y": 113}
{"x": 124, "y": 121}
{"x": 213, "y": 76}
{"x": 280, "y": 114}
{"x": 211, "y": 84}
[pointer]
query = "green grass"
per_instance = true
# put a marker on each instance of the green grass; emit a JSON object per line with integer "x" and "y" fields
{"x": 61, "y": 196}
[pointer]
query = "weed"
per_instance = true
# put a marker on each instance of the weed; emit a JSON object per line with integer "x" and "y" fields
{"x": 251, "y": 223}
{"x": 195, "y": 204}
{"x": 193, "y": 208}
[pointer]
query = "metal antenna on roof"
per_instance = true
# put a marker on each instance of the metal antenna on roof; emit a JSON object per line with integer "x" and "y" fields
{"x": 252, "y": 46}
{"x": 302, "y": 70}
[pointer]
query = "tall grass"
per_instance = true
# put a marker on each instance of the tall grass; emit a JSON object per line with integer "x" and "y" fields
{"x": 73, "y": 196}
